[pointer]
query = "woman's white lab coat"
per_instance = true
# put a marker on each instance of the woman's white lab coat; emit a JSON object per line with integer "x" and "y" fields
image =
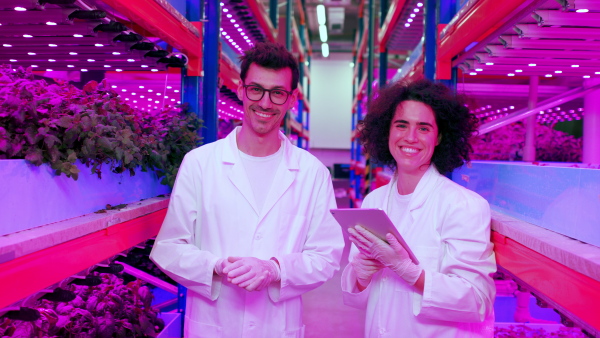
{"x": 212, "y": 214}
{"x": 448, "y": 228}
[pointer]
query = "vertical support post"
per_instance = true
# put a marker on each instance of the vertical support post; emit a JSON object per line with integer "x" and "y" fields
{"x": 591, "y": 124}
{"x": 358, "y": 94}
{"x": 308, "y": 83}
{"x": 445, "y": 12}
{"x": 531, "y": 121}
{"x": 301, "y": 103}
{"x": 370, "y": 75}
{"x": 288, "y": 24}
{"x": 274, "y": 12}
{"x": 371, "y": 42}
{"x": 383, "y": 54}
{"x": 211, "y": 73}
{"x": 288, "y": 44}
{"x": 430, "y": 36}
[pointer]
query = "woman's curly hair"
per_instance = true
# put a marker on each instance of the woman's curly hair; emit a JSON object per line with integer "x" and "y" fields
{"x": 454, "y": 121}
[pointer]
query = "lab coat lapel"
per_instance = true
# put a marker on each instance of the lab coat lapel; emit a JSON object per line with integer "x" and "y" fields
{"x": 424, "y": 188}
{"x": 284, "y": 176}
{"x": 237, "y": 175}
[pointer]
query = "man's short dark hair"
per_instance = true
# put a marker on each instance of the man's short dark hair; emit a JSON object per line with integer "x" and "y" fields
{"x": 455, "y": 123}
{"x": 270, "y": 55}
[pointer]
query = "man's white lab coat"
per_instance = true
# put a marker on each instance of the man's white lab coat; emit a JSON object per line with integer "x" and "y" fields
{"x": 448, "y": 228}
{"x": 212, "y": 214}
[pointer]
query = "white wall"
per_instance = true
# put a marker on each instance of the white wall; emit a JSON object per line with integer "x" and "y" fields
{"x": 331, "y": 101}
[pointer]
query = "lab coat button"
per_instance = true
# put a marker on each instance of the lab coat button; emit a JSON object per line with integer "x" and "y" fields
{"x": 258, "y": 237}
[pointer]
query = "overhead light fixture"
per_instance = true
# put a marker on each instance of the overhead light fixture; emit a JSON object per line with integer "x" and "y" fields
{"x": 27, "y": 35}
{"x": 479, "y": 69}
{"x": 50, "y": 23}
{"x": 6, "y": 45}
{"x": 472, "y": 73}
{"x": 130, "y": 60}
{"x": 489, "y": 63}
{"x": 321, "y": 14}
{"x": 582, "y": 10}
{"x": 325, "y": 49}
{"x": 532, "y": 65}
{"x": 83, "y": 70}
{"x": 586, "y": 76}
{"x": 323, "y": 33}
{"x": 52, "y": 45}
{"x": 20, "y": 9}
{"x": 30, "y": 53}
{"x": 558, "y": 71}
{"x": 70, "y": 66}
{"x": 548, "y": 75}
{"x": 78, "y": 35}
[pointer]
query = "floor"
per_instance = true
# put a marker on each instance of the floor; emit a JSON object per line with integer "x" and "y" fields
{"x": 325, "y": 314}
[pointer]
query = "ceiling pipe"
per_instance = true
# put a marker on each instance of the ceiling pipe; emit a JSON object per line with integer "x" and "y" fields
{"x": 523, "y": 113}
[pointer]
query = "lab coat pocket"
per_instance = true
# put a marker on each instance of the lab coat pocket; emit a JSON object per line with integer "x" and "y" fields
{"x": 297, "y": 333}
{"x": 194, "y": 329}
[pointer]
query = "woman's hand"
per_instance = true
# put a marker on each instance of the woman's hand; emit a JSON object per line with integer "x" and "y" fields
{"x": 365, "y": 268}
{"x": 392, "y": 255}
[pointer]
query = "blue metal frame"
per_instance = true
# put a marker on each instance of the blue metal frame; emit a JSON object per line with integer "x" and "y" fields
{"x": 274, "y": 12}
{"x": 430, "y": 36}
{"x": 446, "y": 11}
{"x": 383, "y": 54}
{"x": 211, "y": 70}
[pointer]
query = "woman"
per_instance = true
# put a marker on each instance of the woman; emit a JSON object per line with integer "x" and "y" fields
{"x": 422, "y": 130}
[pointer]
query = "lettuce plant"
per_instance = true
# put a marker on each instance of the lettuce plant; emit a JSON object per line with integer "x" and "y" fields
{"x": 58, "y": 124}
{"x": 506, "y": 144}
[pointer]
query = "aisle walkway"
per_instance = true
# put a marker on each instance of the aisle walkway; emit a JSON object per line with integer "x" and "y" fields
{"x": 325, "y": 314}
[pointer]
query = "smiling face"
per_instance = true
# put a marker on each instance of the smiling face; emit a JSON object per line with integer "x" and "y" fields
{"x": 263, "y": 117}
{"x": 413, "y": 137}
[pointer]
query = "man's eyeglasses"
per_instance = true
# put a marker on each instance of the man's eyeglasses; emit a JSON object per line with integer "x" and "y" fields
{"x": 256, "y": 93}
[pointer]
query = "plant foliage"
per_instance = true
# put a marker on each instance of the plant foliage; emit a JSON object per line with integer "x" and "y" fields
{"x": 506, "y": 144}
{"x": 59, "y": 124}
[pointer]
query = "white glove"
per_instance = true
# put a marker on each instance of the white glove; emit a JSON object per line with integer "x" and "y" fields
{"x": 221, "y": 264}
{"x": 392, "y": 255}
{"x": 365, "y": 268}
{"x": 251, "y": 273}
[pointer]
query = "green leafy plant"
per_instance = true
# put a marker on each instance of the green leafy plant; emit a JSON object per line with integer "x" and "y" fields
{"x": 59, "y": 124}
{"x": 506, "y": 144}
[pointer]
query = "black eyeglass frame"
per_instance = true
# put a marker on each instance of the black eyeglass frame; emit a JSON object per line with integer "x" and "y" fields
{"x": 263, "y": 94}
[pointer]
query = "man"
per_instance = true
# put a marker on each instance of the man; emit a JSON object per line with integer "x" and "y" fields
{"x": 248, "y": 229}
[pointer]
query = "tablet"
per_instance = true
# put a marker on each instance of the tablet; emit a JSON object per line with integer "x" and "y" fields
{"x": 374, "y": 220}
